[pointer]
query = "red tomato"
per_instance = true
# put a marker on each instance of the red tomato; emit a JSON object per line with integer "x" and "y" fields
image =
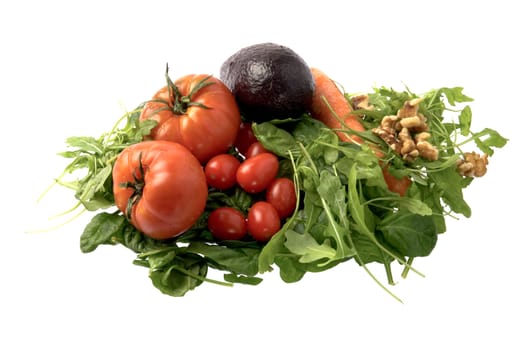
{"x": 256, "y": 173}
{"x": 197, "y": 111}
{"x": 255, "y": 149}
{"x": 281, "y": 194}
{"x": 220, "y": 171}
{"x": 396, "y": 185}
{"x": 245, "y": 137}
{"x": 227, "y": 223}
{"x": 160, "y": 187}
{"x": 263, "y": 221}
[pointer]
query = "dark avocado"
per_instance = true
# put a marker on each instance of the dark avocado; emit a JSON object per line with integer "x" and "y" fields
{"x": 269, "y": 81}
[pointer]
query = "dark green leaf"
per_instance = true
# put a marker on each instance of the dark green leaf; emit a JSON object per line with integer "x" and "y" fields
{"x": 274, "y": 138}
{"x": 449, "y": 182}
{"x": 234, "y": 278}
{"x": 182, "y": 276}
{"x": 307, "y": 130}
{"x": 410, "y": 234}
{"x": 290, "y": 269}
{"x": 161, "y": 259}
{"x": 368, "y": 250}
{"x": 241, "y": 260}
{"x": 273, "y": 248}
{"x": 100, "y": 230}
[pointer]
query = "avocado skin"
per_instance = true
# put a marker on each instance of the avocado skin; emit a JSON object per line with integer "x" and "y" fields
{"x": 269, "y": 81}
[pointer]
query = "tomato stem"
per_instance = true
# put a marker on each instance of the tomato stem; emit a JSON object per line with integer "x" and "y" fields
{"x": 181, "y": 103}
{"x": 137, "y": 185}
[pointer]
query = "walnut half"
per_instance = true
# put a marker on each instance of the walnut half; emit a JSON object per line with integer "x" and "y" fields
{"x": 473, "y": 165}
{"x": 406, "y": 133}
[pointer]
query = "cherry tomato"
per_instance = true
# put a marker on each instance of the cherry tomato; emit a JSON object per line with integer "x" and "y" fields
{"x": 256, "y": 173}
{"x": 160, "y": 187}
{"x": 245, "y": 137}
{"x": 255, "y": 149}
{"x": 221, "y": 171}
{"x": 197, "y": 111}
{"x": 227, "y": 223}
{"x": 281, "y": 194}
{"x": 263, "y": 221}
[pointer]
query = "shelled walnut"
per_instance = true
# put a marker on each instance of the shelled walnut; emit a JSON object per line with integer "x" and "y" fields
{"x": 473, "y": 165}
{"x": 407, "y": 133}
{"x": 361, "y": 102}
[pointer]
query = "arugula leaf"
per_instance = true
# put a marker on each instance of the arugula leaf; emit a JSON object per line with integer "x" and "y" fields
{"x": 345, "y": 210}
{"x": 465, "y": 120}
{"x": 454, "y": 95}
{"x": 493, "y": 139}
{"x": 450, "y": 184}
{"x": 305, "y": 246}
{"x": 93, "y": 159}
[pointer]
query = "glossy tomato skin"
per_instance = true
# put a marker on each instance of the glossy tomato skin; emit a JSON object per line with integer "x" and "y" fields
{"x": 227, "y": 223}
{"x": 263, "y": 221}
{"x": 256, "y": 173}
{"x": 245, "y": 137}
{"x": 281, "y": 194}
{"x": 255, "y": 149}
{"x": 221, "y": 171}
{"x": 171, "y": 185}
{"x": 205, "y": 131}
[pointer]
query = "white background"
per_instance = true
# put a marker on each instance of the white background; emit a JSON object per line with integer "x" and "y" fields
{"x": 71, "y": 68}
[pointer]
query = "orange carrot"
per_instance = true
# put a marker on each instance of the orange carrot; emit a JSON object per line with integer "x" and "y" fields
{"x": 330, "y": 106}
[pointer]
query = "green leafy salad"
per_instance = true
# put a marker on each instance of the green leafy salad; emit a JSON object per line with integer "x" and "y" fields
{"x": 345, "y": 210}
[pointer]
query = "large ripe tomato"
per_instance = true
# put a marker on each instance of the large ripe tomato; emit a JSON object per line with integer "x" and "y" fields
{"x": 160, "y": 187}
{"x": 197, "y": 111}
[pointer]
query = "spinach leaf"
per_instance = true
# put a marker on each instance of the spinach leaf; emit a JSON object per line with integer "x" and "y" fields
{"x": 275, "y": 139}
{"x": 184, "y": 274}
{"x": 235, "y": 278}
{"x": 409, "y": 234}
{"x": 239, "y": 260}
{"x": 101, "y": 230}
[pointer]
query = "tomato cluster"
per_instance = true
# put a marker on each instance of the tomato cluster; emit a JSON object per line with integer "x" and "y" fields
{"x": 256, "y": 173}
{"x": 162, "y": 184}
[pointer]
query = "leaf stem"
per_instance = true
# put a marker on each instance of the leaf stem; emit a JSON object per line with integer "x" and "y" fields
{"x": 407, "y": 269}
{"x": 200, "y": 278}
{"x": 389, "y": 276}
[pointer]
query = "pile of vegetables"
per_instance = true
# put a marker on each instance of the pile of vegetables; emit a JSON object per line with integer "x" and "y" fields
{"x": 189, "y": 182}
